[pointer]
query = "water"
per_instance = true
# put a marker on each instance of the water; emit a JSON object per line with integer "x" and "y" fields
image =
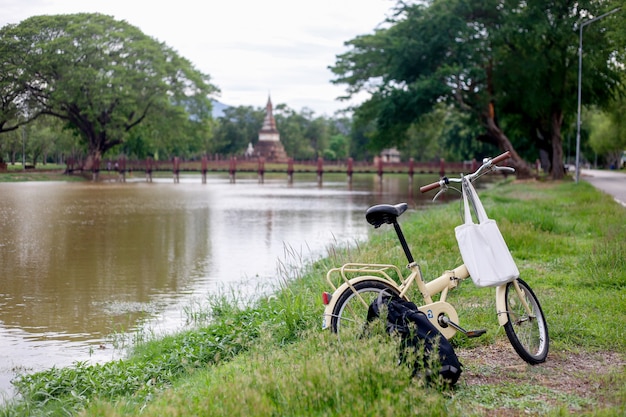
{"x": 80, "y": 262}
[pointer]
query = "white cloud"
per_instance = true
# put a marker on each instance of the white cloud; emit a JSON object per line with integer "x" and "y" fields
{"x": 249, "y": 47}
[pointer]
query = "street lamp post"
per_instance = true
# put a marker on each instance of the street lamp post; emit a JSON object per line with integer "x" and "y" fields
{"x": 580, "y": 77}
{"x": 23, "y": 148}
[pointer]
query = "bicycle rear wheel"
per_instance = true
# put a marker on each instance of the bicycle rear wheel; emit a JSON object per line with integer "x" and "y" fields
{"x": 527, "y": 328}
{"x": 350, "y": 312}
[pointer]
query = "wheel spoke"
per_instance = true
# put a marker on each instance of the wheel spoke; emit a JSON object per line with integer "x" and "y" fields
{"x": 353, "y": 304}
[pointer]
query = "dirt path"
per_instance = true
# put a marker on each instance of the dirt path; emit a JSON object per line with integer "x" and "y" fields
{"x": 576, "y": 381}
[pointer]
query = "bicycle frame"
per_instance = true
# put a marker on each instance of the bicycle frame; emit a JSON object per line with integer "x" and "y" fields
{"x": 441, "y": 285}
{"x": 381, "y": 272}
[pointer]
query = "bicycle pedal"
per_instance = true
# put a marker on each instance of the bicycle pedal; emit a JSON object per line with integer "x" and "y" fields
{"x": 445, "y": 321}
{"x": 475, "y": 333}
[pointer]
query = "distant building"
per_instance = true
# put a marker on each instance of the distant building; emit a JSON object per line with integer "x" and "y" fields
{"x": 269, "y": 145}
{"x": 390, "y": 155}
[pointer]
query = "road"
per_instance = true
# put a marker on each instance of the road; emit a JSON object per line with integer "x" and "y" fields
{"x": 611, "y": 182}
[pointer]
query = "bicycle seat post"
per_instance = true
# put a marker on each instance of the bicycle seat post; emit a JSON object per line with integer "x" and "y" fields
{"x": 405, "y": 246}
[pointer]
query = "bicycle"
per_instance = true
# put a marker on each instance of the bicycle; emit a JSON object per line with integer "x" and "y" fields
{"x": 517, "y": 307}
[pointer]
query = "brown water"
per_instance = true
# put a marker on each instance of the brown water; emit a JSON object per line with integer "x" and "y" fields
{"x": 80, "y": 262}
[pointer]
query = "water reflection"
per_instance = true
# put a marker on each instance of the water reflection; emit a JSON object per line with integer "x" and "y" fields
{"x": 79, "y": 261}
{"x": 82, "y": 260}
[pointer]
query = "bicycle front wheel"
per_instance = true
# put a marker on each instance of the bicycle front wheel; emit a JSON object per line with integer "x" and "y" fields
{"x": 350, "y": 312}
{"x": 526, "y": 328}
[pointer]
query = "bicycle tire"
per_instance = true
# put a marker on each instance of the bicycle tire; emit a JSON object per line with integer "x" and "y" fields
{"x": 528, "y": 334}
{"x": 350, "y": 312}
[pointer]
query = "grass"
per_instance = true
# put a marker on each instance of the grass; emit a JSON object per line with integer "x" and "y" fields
{"x": 269, "y": 356}
{"x": 48, "y": 172}
{"x": 319, "y": 377}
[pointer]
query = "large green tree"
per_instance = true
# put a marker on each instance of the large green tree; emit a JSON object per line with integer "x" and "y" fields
{"x": 510, "y": 65}
{"x": 102, "y": 76}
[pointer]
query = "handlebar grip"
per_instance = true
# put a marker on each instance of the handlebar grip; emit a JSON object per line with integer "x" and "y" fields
{"x": 501, "y": 157}
{"x": 429, "y": 187}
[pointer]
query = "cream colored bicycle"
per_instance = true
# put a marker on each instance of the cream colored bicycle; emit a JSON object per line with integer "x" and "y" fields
{"x": 356, "y": 285}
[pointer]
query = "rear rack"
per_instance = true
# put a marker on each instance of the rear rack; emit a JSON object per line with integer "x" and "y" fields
{"x": 351, "y": 270}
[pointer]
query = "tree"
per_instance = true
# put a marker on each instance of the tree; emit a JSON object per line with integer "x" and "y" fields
{"x": 445, "y": 133}
{"x": 103, "y": 77}
{"x": 293, "y": 127}
{"x": 238, "y": 127}
{"x": 339, "y": 146}
{"x": 40, "y": 136}
{"x": 540, "y": 93}
{"x": 607, "y": 131}
{"x": 504, "y": 63}
{"x": 12, "y": 144}
{"x": 12, "y": 94}
{"x": 317, "y": 132}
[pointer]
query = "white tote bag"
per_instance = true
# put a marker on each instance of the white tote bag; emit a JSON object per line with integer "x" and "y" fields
{"x": 482, "y": 246}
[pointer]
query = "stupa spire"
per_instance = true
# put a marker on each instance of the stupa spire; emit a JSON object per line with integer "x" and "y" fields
{"x": 268, "y": 131}
{"x": 269, "y": 123}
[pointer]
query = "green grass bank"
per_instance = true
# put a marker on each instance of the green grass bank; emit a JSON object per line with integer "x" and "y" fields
{"x": 269, "y": 357}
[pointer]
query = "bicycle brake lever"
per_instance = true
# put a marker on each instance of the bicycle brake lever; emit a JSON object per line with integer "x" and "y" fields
{"x": 441, "y": 191}
{"x": 506, "y": 169}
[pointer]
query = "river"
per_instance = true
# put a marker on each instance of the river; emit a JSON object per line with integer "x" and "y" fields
{"x": 83, "y": 263}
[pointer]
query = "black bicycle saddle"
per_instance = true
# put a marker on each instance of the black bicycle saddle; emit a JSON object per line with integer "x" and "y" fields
{"x": 384, "y": 213}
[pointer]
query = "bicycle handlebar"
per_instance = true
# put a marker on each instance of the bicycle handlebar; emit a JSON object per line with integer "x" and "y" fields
{"x": 485, "y": 166}
{"x": 501, "y": 157}
{"x": 432, "y": 186}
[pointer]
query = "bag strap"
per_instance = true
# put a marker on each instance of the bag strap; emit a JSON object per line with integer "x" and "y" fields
{"x": 470, "y": 192}
{"x": 468, "y": 214}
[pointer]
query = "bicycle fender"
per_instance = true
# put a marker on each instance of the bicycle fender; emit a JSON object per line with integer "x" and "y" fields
{"x": 346, "y": 286}
{"x": 503, "y": 318}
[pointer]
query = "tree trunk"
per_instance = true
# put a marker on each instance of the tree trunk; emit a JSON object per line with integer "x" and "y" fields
{"x": 93, "y": 160}
{"x": 557, "y": 170}
{"x": 522, "y": 170}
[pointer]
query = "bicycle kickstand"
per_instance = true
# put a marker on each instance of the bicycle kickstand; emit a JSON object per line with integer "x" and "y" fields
{"x": 445, "y": 321}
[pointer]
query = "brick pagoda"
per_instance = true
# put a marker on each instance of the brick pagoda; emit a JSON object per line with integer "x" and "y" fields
{"x": 269, "y": 145}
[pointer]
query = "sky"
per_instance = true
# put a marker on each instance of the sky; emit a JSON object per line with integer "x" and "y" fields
{"x": 252, "y": 49}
